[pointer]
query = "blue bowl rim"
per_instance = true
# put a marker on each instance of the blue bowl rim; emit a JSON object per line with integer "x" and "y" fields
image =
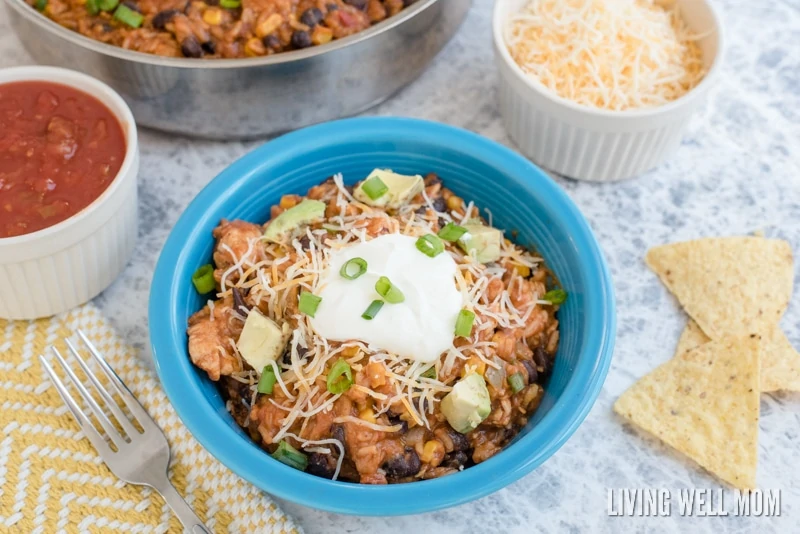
{"x": 255, "y": 466}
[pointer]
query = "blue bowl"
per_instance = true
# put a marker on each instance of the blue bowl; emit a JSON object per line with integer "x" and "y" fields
{"x": 520, "y": 196}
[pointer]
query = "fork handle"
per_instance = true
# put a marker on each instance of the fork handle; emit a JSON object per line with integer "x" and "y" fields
{"x": 191, "y": 523}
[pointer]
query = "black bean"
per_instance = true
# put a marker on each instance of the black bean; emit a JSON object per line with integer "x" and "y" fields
{"x": 272, "y": 41}
{"x": 543, "y": 360}
{"x": 311, "y": 16}
{"x": 395, "y": 420}
{"x": 209, "y": 47}
{"x": 305, "y": 242}
{"x": 460, "y": 441}
{"x": 422, "y": 210}
{"x": 358, "y": 4}
{"x": 337, "y": 433}
{"x": 533, "y": 374}
{"x": 287, "y": 354}
{"x": 439, "y": 204}
{"x": 107, "y": 27}
{"x": 403, "y": 465}
{"x": 455, "y": 460}
{"x": 332, "y": 7}
{"x": 132, "y": 6}
{"x": 540, "y": 357}
{"x": 321, "y": 465}
{"x": 238, "y": 299}
{"x": 301, "y": 39}
{"x": 161, "y": 20}
{"x": 190, "y": 47}
{"x": 432, "y": 179}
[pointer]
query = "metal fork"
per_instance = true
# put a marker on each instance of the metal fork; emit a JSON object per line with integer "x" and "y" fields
{"x": 141, "y": 457}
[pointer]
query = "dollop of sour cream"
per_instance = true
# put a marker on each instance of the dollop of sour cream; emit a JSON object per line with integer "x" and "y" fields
{"x": 420, "y": 328}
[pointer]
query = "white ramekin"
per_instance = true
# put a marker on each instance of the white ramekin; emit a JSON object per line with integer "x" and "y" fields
{"x": 593, "y": 144}
{"x": 60, "y": 267}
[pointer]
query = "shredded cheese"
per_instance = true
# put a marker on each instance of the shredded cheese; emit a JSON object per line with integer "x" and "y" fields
{"x": 373, "y": 426}
{"x": 288, "y": 267}
{"x": 608, "y": 54}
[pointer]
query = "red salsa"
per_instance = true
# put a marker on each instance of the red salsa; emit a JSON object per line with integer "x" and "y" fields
{"x": 60, "y": 148}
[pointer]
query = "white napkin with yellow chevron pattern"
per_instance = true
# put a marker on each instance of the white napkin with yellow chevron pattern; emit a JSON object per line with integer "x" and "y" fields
{"x": 51, "y": 478}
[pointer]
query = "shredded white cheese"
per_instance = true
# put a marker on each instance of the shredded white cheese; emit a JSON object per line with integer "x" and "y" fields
{"x": 609, "y": 54}
{"x": 290, "y": 267}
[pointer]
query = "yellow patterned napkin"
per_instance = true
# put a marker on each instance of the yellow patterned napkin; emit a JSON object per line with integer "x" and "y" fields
{"x": 51, "y": 478}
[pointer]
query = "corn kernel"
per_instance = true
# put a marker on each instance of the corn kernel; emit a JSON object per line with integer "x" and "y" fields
{"x": 473, "y": 365}
{"x": 212, "y": 16}
{"x": 269, "y": 25}
{"x": 523, "y": 270}
{"x": 288, "y": 201}
{"x": 349, "y": 352}
{"x": 254, "y": 47}
{"x": 367, "y": 415}
{"x": 433, "y": 452}
{"x": 321, "y": 35}
{"x": 454, "y": 202}
{"x": 376, "y": 373}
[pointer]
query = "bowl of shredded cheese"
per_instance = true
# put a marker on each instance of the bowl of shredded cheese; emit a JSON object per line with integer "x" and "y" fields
{"x": 603, "y": 90}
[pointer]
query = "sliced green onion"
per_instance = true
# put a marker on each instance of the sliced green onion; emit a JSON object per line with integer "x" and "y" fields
{"x": 375, "y": 188}
{"x": 555, "y": 296}
{"x": 203, "y": 279}
{"x": 430, "y": 373}
{"x": 389, "y": 291}
{"x": 353, "y": 268}
{"x": 267, "y": 380}
{"x": 372, "y": 310}
{"x": 430, "y": 245}
{"x": 464, "y": 323}
{"x": 290, "y": 456}
{"x": 516, "y": 382}
{"x": 340, "y": 377}
{"x": 128, "y": 16}
{"x": 308, "y": 303}
{"x": 92, "y": 7}
{"x": 230, "y": 4}
{"x": 40, "y": 4}
{"x": 107, "y": 5}
{"x": 452, "y": 232}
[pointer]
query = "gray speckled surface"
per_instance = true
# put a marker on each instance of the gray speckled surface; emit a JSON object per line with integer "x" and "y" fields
{"x": 737, "y": 171}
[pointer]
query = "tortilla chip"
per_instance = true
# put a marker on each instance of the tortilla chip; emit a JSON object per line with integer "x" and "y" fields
{"x": 705, "y": 404}
{"x": 691, "y": 337}
{"x": 731, "y": 286}
{"x": 780, "y": 362}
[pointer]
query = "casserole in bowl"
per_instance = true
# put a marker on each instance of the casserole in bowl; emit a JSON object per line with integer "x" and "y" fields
{"x": 520, "y": 197}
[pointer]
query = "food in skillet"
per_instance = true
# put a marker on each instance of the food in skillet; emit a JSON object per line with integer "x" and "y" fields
{"x": 377, "y": 334}
{"x": 217, "y": 28}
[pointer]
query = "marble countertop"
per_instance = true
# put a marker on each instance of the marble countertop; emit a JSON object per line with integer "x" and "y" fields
{"x": 737, "y": 170}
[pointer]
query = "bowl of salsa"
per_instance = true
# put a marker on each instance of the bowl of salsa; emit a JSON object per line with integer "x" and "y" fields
{"x": 68, "y": 166}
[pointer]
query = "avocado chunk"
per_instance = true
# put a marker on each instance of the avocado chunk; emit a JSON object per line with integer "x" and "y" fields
{"x": 401, "y": 188}
{"x": 262, "y": 341}
{"x": 306, "y": 212}
{"x": 468, "y": 404}
{"x": 484, "y": 240}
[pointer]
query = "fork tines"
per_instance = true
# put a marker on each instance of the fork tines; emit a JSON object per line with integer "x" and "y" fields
{"x": 115, "y": 437}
